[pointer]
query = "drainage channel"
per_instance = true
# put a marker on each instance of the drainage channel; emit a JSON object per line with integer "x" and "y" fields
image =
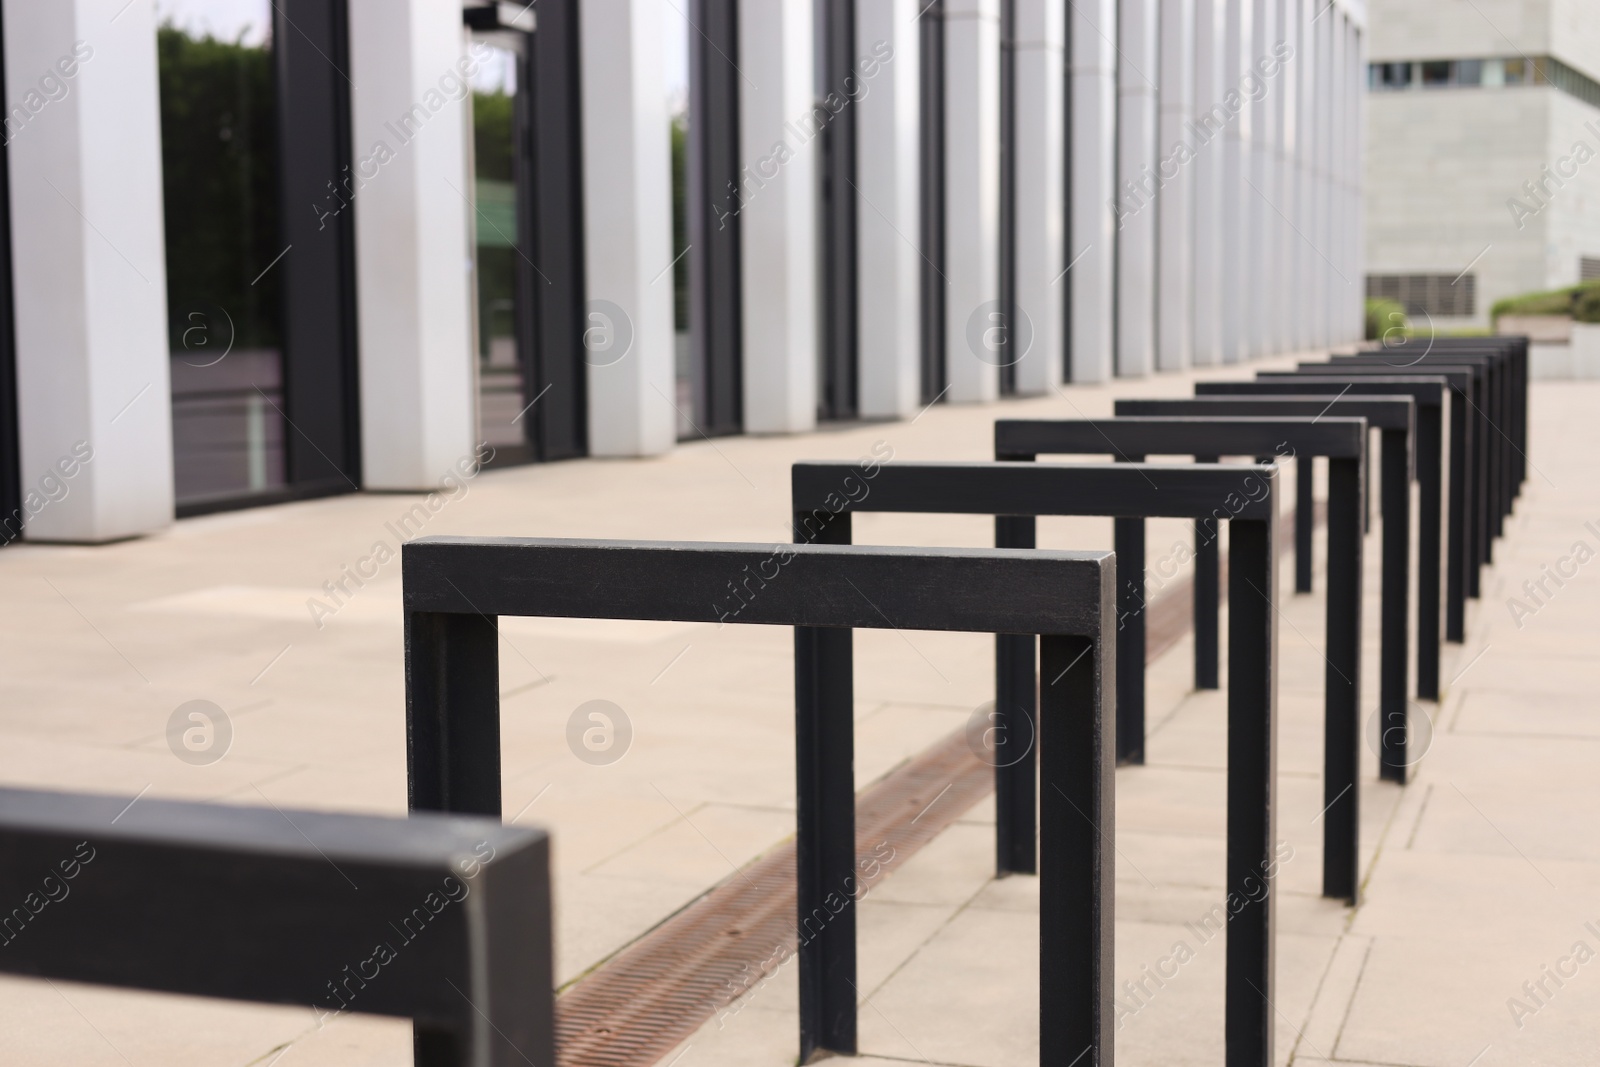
{"x": 655, "y": 993}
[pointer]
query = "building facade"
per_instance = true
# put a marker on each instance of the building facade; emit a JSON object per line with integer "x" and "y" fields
{"x": 1483, "y": 129}
{"x": 263, "y": 250}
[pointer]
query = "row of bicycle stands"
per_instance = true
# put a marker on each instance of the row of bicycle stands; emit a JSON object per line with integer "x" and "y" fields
{"x": 1070, "y": 660}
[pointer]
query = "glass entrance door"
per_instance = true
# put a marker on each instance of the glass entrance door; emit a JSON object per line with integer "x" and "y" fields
{"x": 225, "y": 306}
{"x": 528, "y": 249}
{"x": 505, "y": 308}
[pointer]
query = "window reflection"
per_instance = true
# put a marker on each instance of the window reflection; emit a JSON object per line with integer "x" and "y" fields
{"x": 675, "y": 42}
{"x": 495, "y": 122}
{"x": 224, "y": 284}
{"x": 1391, "y": 75}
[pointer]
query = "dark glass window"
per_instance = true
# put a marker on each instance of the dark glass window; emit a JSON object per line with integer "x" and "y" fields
{"x": 528, "y": 232}
{"x": 1487, "y": 73}
{"x": 11, "y": 499}
{"x": 716, "y": 190}
{"x": 675, "y": 42}
{"x": 219, "y": 157}
{"x": 1393, "y": 75}
{"x": 500, "y": 365}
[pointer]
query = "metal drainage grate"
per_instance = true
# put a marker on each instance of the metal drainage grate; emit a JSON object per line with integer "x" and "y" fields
{"x": 658, "y": 991}
{"x": 654, "y": 994}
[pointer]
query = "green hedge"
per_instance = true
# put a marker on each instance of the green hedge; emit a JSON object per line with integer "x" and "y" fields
{"x": 1581, "y": 301}
{"x": 1385, "y": 316}
{"x": 680, "y": 221}
{"x": 219, "y": 172}
{"x": 1586, "y": 304}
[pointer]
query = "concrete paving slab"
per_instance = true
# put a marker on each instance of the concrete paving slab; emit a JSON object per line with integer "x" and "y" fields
{"x": 106, "y": 642}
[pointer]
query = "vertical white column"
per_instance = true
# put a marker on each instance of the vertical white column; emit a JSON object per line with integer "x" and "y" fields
{"x": 1320, "y": 138}
{"x": 1279, "y": 60}
{"x": 778, "y": 225}
{"x": 1299, "y": 334}
{"x": 1340, "y": 216}
{"x": 627, "y": 210}
{"x": 1307, "y": 59}
{"x": 88, "y": 243}
{"x": 1356, "y": 297}
{"x": 1333, "y": 294}
{"x": 1039, "y": 68}
{"x": 1091, "y": 247}
{"x": 888, "y": 209}
{"x": 1236, "y": 194}
{"x": 1281, "y": 93}
{"x": 1174, "y": 171}
{"x": 1136, "y": 186}
{"x": 972, "y": 197}
{"x": 1352, "y": 139}
{"x": 413, "y": 239}
{"x": 1260, "y": 263}
{"x": 1208, "y": 128}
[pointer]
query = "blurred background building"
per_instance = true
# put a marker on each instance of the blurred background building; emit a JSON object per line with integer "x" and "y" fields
{"x": 1481, "y": 170}
{"x": 265, "y": 250}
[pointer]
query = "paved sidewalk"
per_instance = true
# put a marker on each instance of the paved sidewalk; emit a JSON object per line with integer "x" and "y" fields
{"x": 1488, "y": 873}
{"x": 103, "y": 644}
{"x": 949, "y": 971}
{"x": 1480, "y": 913}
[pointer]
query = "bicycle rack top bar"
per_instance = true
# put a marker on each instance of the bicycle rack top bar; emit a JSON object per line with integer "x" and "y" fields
{"x": 1338, "y": 437}
{"x": 443, "y": 919}
{"x": 1351, "y": 390}
{"x": 1136, "y": 490}
{"x": 1236, "y": 399}
{"x": 1065, "y": 599}
{"x": 864, "y": 587}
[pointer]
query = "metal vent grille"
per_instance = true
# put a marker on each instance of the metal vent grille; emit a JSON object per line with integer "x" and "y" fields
{"x": 1439, "y": 295}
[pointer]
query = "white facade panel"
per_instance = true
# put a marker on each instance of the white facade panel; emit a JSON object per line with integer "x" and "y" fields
{"x": 1260, "y": 189}
{"x": 89, "y": 245}
{"x": 888, "y": 210}
{"x": 1175, "y": 219}
{"x": 1424, "y": 29}
{"x": 1091, "y": 247}
{"x": 1039, "y": 58}
{"x": 1238, "y": 200}
{"x": 1354, "y": 294}
{"x": 1320, "y": 234}
{"x": 1279, "y": 79}
{"x": 778, "y": 218}
{"x": 627, "y": 204}
{"x": 972, "y": 199}
{"x": 1206, "y": 130}
{"x": 413, "y": 240}
{"x": 1137, "y": 192}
